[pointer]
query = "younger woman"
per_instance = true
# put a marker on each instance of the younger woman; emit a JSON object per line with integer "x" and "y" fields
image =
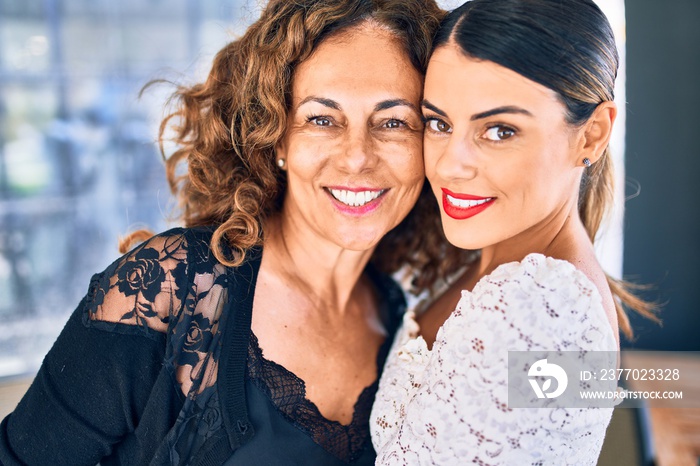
{"x": 518, "y": 105}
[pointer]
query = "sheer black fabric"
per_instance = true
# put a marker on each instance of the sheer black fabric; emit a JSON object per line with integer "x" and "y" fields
{"x": 151, "y": 368}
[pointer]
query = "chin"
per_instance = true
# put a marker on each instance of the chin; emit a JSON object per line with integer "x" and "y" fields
{"x": 464, "y": 240}
{"x": 356, "y": 241}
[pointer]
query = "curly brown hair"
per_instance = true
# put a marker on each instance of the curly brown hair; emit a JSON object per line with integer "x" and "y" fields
{"x": 226, "y": 129}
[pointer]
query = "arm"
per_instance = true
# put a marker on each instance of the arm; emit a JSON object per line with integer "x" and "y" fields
{"x": 86, "y": 397}
{"x": 95, "y": 382}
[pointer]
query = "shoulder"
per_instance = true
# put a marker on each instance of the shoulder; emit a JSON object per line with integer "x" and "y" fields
{"x": 544, "y": 302}
{"x": 538, "y": 283}
{"x": 538, "y": 274}
{"x": 147, "y": 285}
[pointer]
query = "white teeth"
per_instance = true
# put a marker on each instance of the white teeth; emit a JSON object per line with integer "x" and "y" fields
{"x": 355, "y": 199}
{"x": 463, "y": 203}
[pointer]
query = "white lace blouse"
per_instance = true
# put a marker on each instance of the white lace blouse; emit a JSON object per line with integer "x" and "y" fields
{"x": 448, "y": 405}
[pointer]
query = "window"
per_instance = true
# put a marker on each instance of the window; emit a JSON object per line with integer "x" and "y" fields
{"x": 78, "y": 161}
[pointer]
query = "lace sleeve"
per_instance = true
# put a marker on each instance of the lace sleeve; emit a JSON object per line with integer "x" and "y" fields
{"x": 455, "y": 408}
{"x": 142, "y": 290}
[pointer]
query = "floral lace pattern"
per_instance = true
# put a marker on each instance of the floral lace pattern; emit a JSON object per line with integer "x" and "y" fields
{"x": 172, "y": 284}
{"x": 448, "y": 405}
{"x": 143, "y": 288}
{"x": 167, "y": 285}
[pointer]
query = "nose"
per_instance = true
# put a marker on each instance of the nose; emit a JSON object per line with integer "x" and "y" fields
{"x": 457, "y": 160}
{"x": 358, "y": 152}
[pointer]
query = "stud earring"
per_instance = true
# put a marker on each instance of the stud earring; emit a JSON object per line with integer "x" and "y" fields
{"x": 587, "y": 162}
{"x": 281, "y": 163}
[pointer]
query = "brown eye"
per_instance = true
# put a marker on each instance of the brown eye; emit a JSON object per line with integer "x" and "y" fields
{"x": 499, "y": 133}
{"x": 394, "y": 124}
{"x": 319, "y": 121}
{"x": 438, "y": 125}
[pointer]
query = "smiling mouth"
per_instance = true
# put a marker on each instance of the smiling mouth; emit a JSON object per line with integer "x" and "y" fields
{"x": 463, "y": 206}
{"x": 355, "y": 199}
{"x": 465, "y": 203}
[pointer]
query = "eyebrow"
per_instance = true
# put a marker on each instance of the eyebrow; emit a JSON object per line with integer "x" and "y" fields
{"x": 325, "y": 102}
{"x": 385, "y": 104}
{"x": 486, "y": 114}
{"x": 432, "y": 107}
{"x": 499, "y": 110}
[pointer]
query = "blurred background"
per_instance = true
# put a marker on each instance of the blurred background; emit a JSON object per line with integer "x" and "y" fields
{"x": 78, "y": 161}
{"x": 79, "y": 165}
{"x": 662, "y": 164}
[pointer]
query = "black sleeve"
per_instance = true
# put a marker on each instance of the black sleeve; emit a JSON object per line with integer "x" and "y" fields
{"x": 96, "y": 381}
{"x": 87, "y": 396}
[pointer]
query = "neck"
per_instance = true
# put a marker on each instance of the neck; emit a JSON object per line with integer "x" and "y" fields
{"x": 324, "y": 272}
{"x": 558, "y": 236}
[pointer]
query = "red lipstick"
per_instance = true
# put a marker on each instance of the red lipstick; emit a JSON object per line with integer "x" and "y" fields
{"x": 464, "y": 211}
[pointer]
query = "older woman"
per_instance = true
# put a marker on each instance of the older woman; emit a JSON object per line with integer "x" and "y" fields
{"x": 519, "y": 109}
{"x": 257, "y": 334}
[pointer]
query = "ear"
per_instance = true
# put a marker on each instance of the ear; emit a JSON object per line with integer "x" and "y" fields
{"x": 281, "y": 152}
{"x": 597, "y": 131}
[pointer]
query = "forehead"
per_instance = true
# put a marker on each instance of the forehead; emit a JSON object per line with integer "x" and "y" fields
{"x": 454, "y": 75}
{"x": 364, "y": 59}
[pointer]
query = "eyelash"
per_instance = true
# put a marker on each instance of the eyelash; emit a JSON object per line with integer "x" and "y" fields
{"x": 400, "y": 121}
{"x": 501, "y": 127}
{"x": 311, "y": 118}
{"x": 430, "y": 118}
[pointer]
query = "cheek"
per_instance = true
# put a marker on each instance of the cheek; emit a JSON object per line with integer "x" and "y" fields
{"x": 305, "y": 161}
{"x": 413, "y": 171}
{"x": 299, "y": 185}
{"x": 413, "y": 166}
{"x": 303, "y": 167}
{"x": 538, "y": 186}
{"x": 432, "y": 151}
{"x": 404, "y": 160}
{"x": 556, "y": 169}
{"x": 429, "y": 162}
{"x": 526, "y": 186}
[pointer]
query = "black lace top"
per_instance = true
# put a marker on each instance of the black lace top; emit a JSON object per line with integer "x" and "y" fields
{"x": 158, "y": 366}
{"x": 283, "y": 416}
